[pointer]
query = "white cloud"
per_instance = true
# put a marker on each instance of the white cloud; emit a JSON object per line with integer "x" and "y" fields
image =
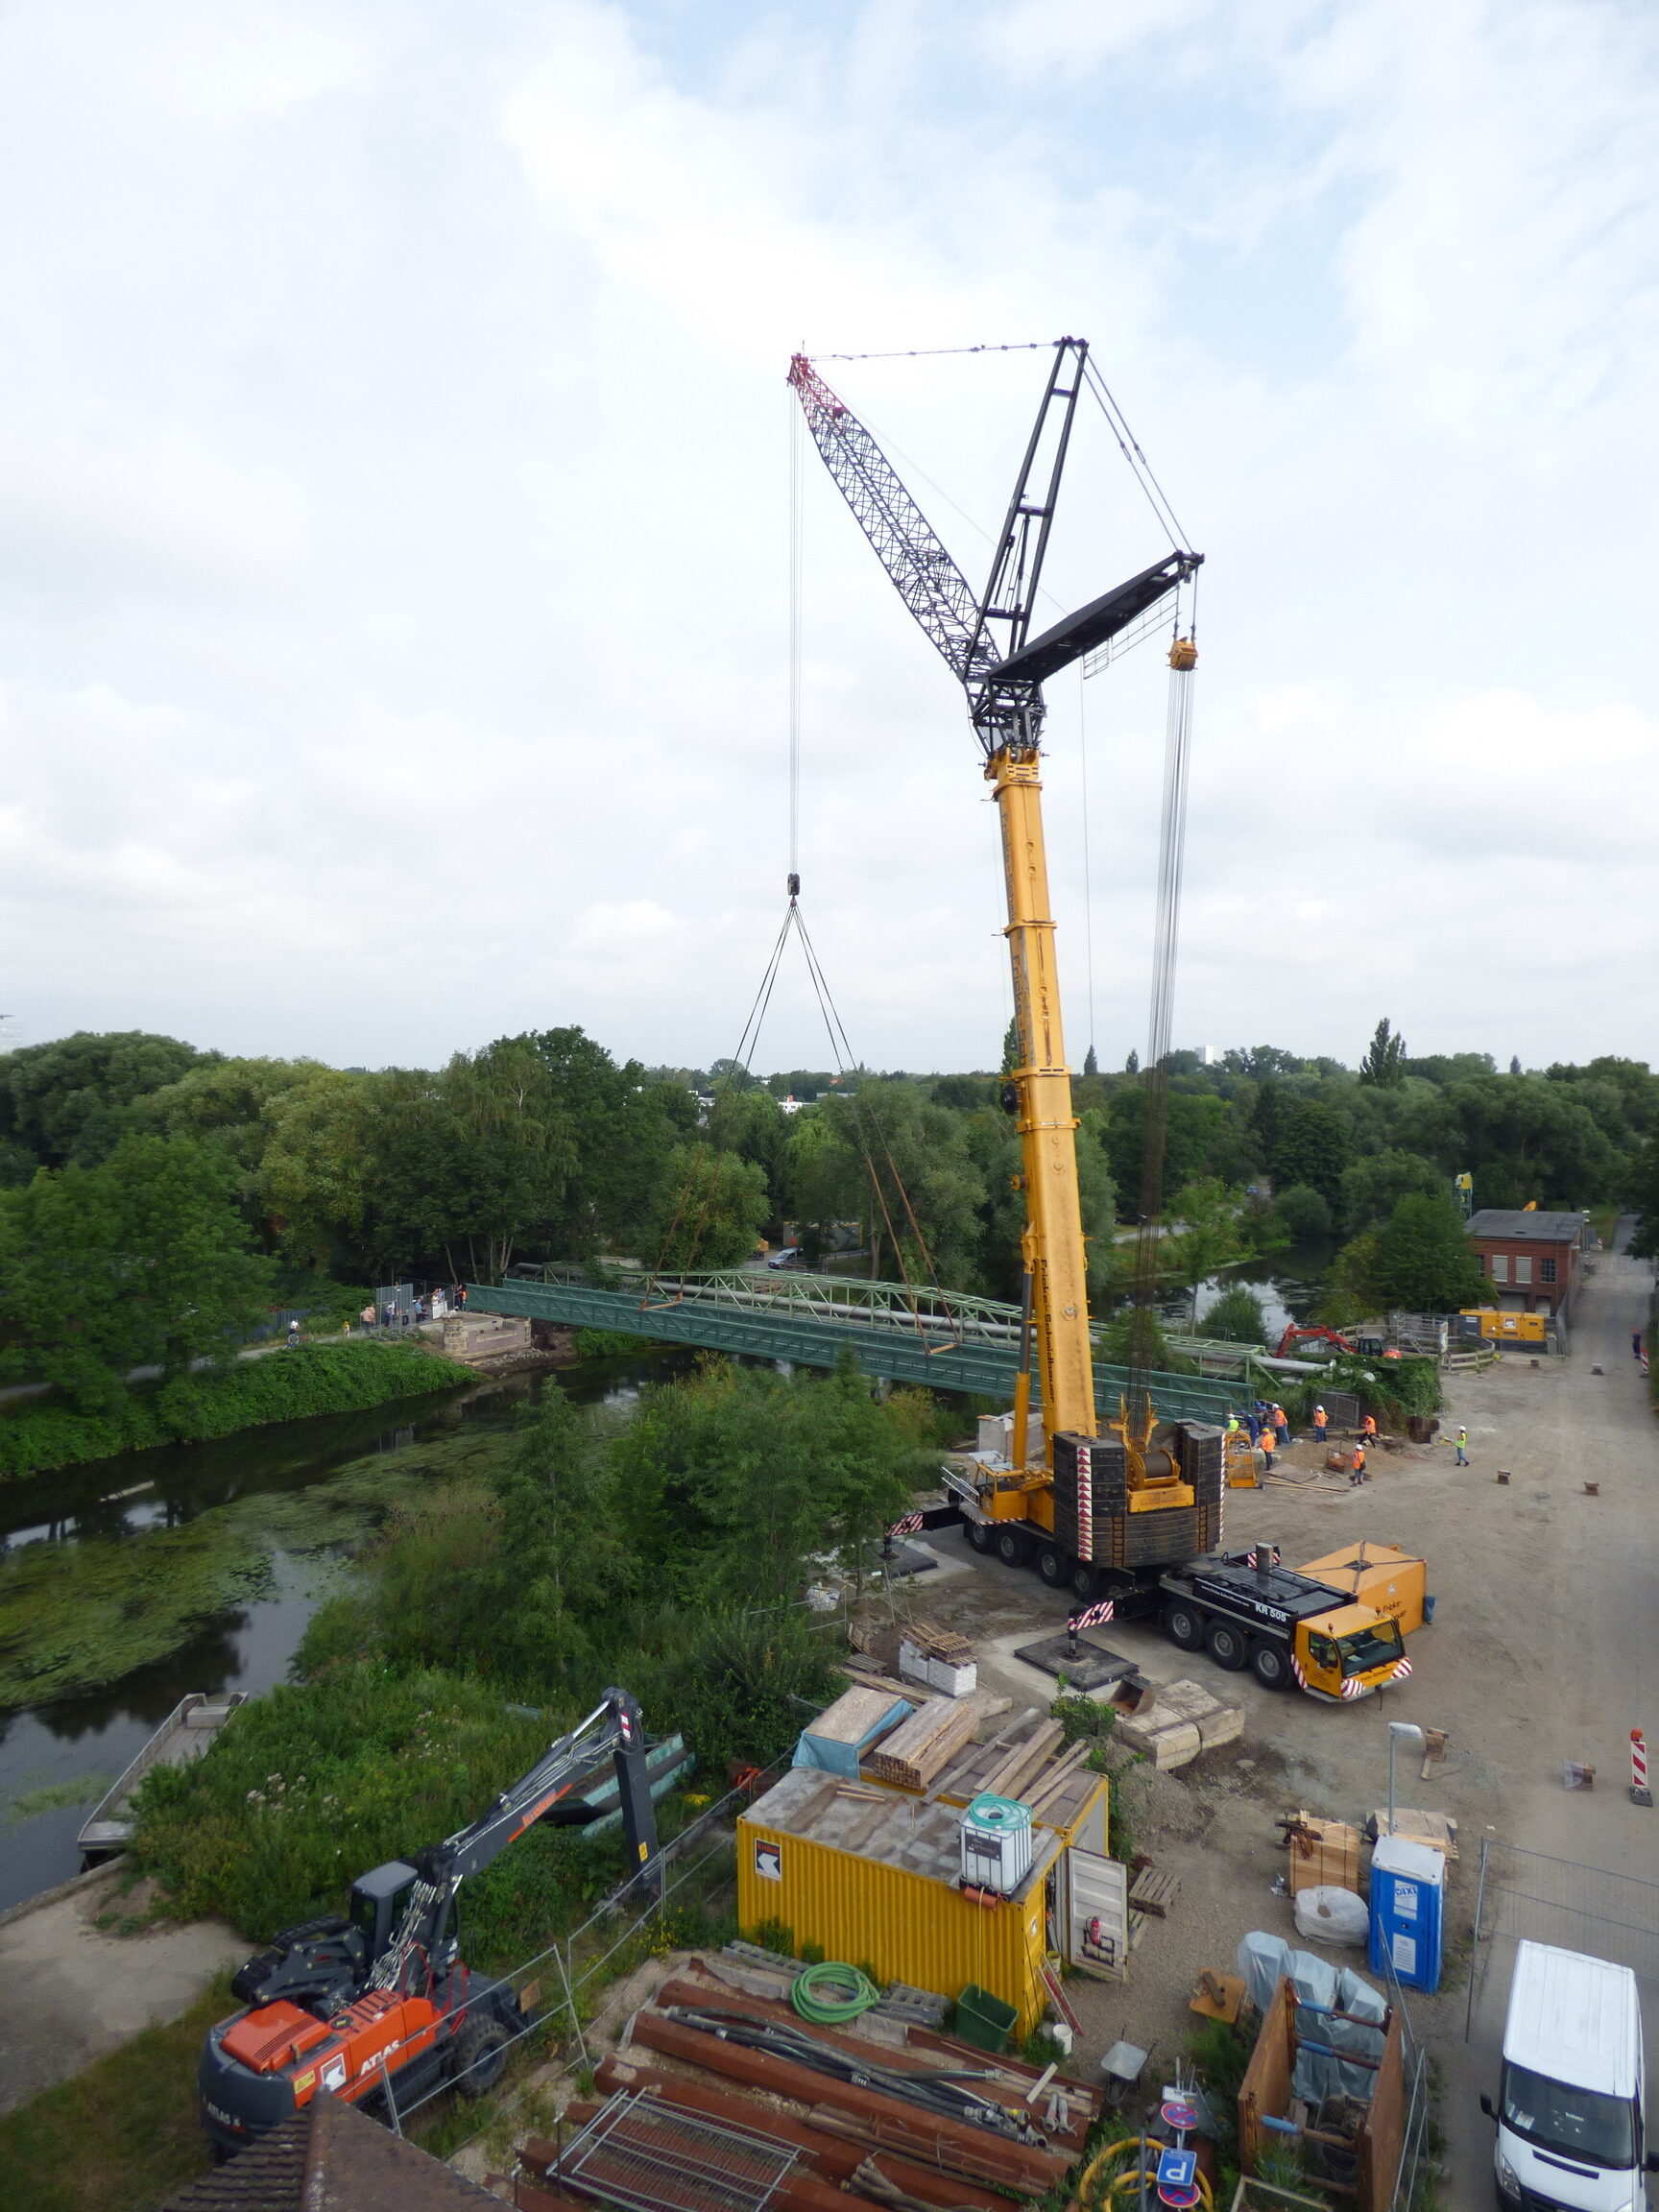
{"x": 392, "y": 449}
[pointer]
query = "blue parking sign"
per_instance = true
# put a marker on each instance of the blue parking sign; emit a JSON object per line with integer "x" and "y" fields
{"x": 1178, "y": 2177}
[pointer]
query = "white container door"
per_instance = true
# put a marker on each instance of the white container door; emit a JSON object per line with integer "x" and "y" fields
{"x": 1098, "y": 1890}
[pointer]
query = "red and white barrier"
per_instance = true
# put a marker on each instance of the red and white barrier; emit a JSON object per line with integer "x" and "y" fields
{"x": 1640, "y": 1793}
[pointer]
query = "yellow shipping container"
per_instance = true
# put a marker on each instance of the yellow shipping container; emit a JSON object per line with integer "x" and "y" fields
{"x": 1380, "y": 1576}
{"x": 885, "y": 1894}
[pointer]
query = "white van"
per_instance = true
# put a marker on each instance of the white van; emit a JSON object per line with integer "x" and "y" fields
{"x": 1570, "y": 2117}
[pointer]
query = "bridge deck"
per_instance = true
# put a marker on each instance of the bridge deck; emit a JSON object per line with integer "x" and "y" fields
{"x": 968, "y": 1346}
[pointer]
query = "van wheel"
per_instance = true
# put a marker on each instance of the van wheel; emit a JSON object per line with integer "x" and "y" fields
{"x": 1010, "y": 1547}
{"x": 1184, "y": 1626}
{"x": 1227, "y": 1646}
{"x": 1271, "y": 1664}
{"x": 979, "y": 1535}
{"x": 1052, "y": 1566}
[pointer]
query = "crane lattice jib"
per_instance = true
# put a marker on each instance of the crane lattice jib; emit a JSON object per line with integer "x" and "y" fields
{"x": 906, "y": 543}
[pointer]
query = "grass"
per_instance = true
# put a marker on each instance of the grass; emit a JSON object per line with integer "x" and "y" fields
{"x": 121, "y": 2134}
{"x": 35, "y": 1437}
{"x": 76, "y": 1616}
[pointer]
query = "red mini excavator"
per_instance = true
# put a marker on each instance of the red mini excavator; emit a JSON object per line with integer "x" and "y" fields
{"x": 1311, "y": 1332}
{"x": 380, "y": 2004}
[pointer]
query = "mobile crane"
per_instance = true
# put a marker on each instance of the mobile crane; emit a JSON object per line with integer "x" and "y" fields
{"x": 379, "y": 2001}
{"x": 1103, "y": 1509}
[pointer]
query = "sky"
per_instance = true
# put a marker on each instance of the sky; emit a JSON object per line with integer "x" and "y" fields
{"x": 396, "y": 477}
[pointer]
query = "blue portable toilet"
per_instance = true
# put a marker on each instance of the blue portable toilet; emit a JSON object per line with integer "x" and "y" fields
{"x": 1407, "y": 1911}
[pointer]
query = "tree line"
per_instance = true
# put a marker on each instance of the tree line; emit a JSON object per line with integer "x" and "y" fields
{"x": 543, "y": 1146}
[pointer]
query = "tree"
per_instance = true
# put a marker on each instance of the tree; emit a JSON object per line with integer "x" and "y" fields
{"x": 1311, "y": 1146}
{"x": 71, "y": 1100}
{"x": 1642, "y": 1193}
{"x": 143, "y": 1258}
{"x": 1514, "y": 1063}
{"x": 1305, "y": 1212}
{"x": 1132, "y": 1065}
{"x": 710, "y": 1209}
{"x": 1384, "y": 1063}
{"x": 1238, "y": 1316}
{"x": 1372, "y": 1185}
{"x": 1011, "y": 1048}
{"x": 1091, "y": 1064}
{"x": 1193, "y": 1123}
{"x": 193, "y": 1286}
{"x": 1425, "y": 1263}
{"x": 562, "y": 1563}
{"x": 1209, "y": 1237}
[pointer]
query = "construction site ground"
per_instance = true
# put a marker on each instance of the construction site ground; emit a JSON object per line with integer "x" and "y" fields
{"x": 1544, "y": 1648}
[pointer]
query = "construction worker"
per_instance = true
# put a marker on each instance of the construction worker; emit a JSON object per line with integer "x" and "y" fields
{"x": 1463, "y": 1443}
{"x": 1321, "y": 1421}
{"x": 1369, "y": 1427}
{"x": 1231, "y": 1422}
{"x": 1357, "y": 1465}
{"x": 1282, "y": 1423}
{"x": 1269, "y": 1439}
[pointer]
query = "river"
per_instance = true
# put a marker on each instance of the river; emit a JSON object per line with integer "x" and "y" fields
{"x": 68, "y": 1750}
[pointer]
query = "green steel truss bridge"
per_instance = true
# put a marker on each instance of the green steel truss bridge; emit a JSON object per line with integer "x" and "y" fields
{"x": 945, "y": 1339}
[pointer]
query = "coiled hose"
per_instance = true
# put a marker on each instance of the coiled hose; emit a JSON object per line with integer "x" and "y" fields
{"x": 846, "y": 1993}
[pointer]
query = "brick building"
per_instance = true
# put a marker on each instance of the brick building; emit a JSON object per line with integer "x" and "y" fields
{"x": 1531, "y": 1260}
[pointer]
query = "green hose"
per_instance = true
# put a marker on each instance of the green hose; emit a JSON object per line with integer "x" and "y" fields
{"x": 848, "y": 1993}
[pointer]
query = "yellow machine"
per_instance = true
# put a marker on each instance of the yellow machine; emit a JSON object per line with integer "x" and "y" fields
{"x": 1498, "y": 1327}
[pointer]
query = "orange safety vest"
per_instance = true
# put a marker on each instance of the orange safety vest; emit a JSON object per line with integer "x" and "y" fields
{"x": 1320, "y": 1417}
{"x": 1359, "y": 1455}
{"x": 1370, "y": 1425}
{"x": 1269, "y": 1441}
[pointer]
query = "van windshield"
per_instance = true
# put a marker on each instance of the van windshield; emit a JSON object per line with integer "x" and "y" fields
{"x": 1575, "y": 2122}
{"x": 1368, "y": 1648}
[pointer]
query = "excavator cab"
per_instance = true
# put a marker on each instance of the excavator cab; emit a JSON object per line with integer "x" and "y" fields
{"x": 377, "y": 1901}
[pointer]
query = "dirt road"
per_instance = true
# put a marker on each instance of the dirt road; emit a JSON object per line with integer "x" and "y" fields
{"x": 1545, "y": 1648}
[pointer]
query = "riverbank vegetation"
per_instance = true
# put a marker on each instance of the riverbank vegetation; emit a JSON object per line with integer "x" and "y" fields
{"x": 668, "y": 1552}
{"x": 38, "y": 1434}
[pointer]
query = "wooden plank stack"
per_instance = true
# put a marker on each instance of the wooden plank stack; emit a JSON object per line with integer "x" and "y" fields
{"x": 938, "y": 1657}
{"x": 1323, "y": 1854}
{"x": 852, "y": 1717}
{"x": 920, "y": 1749}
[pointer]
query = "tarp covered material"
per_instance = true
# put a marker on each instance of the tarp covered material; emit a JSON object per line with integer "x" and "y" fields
{"x": 1322, "y": 1989}
{"x": 842, "y": 1758}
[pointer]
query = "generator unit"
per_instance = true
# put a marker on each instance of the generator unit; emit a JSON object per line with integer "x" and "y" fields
{"x": 995, "y": 1845}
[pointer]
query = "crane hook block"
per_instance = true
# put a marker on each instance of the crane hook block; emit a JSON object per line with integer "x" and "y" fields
{"x": 794, "y": 886}
{"x": 1182, "y": 653}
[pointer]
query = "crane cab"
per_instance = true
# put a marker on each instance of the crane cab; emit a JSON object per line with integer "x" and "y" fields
{"x": 377, "y": 1902}
{"x": 1349, "y": 1651}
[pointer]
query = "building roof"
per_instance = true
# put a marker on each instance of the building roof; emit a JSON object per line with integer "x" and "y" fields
{"x": 918, "y": 1835}
{"x": 1527, "y": 1228}
{"x": 330, "y": 2157}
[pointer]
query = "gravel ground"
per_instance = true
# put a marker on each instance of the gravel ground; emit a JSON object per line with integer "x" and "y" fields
{"x": 1544, "y": 1648}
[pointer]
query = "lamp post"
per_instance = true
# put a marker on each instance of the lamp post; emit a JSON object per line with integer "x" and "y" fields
{"x": 1410, "y": 1733}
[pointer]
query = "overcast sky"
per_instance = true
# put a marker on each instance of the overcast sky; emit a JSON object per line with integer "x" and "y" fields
{"x": 393, "y": 494}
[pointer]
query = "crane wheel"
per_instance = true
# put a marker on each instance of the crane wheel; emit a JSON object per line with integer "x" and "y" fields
{"x": 1083, "y": 1582}
{"x": 980, "y": 1536}
{"x": 1271, "y": 1664}
{"x": 1011, "y": 1548}
{"x": 480, "y": 2056}
{"x": 1228, "y": 1646}
{"x": 1184, "y": 1626}
{"x": 1052, "y": 1566}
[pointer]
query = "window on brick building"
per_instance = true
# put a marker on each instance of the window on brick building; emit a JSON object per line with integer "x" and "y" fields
{"x": 1523, "y": 1268}
{"x": 1499, "y": 1266}
{"x": 1545, "y": 1270}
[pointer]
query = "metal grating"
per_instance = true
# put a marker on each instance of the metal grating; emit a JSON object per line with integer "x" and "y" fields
{"x": 641, "y": 2155}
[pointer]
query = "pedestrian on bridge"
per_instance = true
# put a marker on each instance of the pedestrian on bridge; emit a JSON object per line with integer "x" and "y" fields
{"x": 367, "y": 1316}
{"x": 294, "y": 1333}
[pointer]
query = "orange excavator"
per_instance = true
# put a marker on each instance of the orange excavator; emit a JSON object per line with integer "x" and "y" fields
{"x": 379, "y": 2005}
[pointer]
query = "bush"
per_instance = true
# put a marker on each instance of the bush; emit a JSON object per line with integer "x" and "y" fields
{"x": 217, "y": 1402}
{"x": 1238, "y": 1317}
{"x": 610, "y": 1344}
{"x": 1306, "y": 1213}
{"x": 310, "y": 1787}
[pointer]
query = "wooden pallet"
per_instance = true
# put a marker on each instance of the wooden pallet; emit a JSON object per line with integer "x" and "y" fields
{"x": 1136, "y": 1929}
{"x": 1154, "y": 1893}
